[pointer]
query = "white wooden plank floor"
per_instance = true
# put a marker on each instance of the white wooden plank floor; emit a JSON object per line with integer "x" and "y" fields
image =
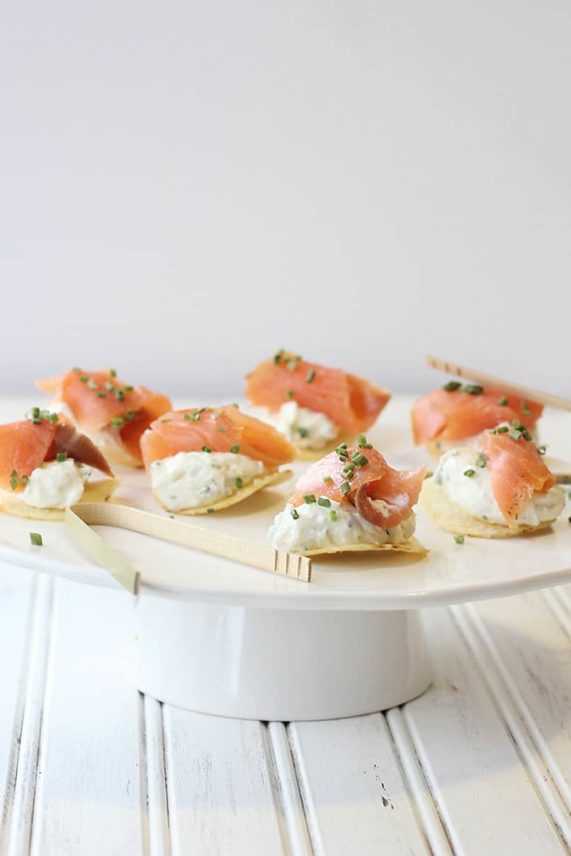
{"x": 480, "y": 764}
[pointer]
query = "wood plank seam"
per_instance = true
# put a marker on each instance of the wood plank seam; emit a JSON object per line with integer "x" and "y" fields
{"x": 422, "y": 799}
{"x": 560, "y": 607}
{"x": 312, "y": 823}
{"x": 516, "y": 718}
{"x": 289, "y": 790}
{"x": 16, "y": 740}
{"x": 20, "y": 836}
{"x": 156, "y": 826}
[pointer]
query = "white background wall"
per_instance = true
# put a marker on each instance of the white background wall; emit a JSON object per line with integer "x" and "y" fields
{"x": 186, "y": 186}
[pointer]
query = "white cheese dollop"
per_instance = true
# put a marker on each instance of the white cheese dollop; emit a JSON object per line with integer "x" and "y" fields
{"x": 316, "y": 528}
{"x": 307, "y": 429}
{"x": 475, "y": 496}
{"x": 192, "y": 479}
{"x": 57, "y": 484}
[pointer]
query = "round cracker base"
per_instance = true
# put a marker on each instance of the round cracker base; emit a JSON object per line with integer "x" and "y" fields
{"x": 97, "y": 491}
{"x": 254, "y": 486}
{"x": 450, "y": 517}
{"x": 412, "y": 546}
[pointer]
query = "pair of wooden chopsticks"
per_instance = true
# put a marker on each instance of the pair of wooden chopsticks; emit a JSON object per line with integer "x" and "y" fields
{"x": 81, "y": 517}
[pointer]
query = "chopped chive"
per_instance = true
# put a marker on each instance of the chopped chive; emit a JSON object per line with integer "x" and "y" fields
{"x": 309, "y": 498}
{"x": 221, "y": 428}
{"x": 61, "y": 456}
{"x": 234, "y": 449}
{"x": 53, "y": 417}
{"x": 470, "y": 473}
{"x": 76, "y": 369}
{"x": 292, "y": 364}
{"x": 452, "y": 385}
{"x": 239, "y": 482}
{"x": 129, "y": 388}
{"x": 289, "y": 393}
{"x": 101, "y": 395}
{"x": 117, "y": 422}
{"x": 342, "y": 447}
{"x": 109, "y": 386}
{"x": 112, "y": 373}
{"x": 91, "y": 384}
{"x": 501, "y": 429}
{"x": 36, "y": 539}
{"x": 503, "y": 401}
{"x": 542, "y": 450}
{"x": 83, "y": 379}
{"x": 345, "y": 488}
{"x": 278, "y": 357}
{"x": 131, "y": 415}
{"x": 120, "y": 395}
{"x": 459, "y": 539}
{"x": 14, "y": 479}
{"x": 311, "y": 376}
{"x": 472, "y": 389}
{"x": 210, "y": 510}
{"x": 333, "y": 514}
{"x": 206, "y": 449}
{"x": 481, "y": 460}
{"x": 324, "y": 502}
{"x": 525, "y": 409}
{"x": 303, "y": 431}
{"x": 328, "y": 480}
{"x": 360, "y": 460}
{"x": 295, "y": 513}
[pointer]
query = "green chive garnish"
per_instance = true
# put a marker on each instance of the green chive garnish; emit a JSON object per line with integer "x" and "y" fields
{"x": 360, "y": 460}
{"x": 128, "y": 389}
{"x": 36, "y": 539}
{"x": 289, "y": 393}
{"x": 14, "y": 479}
{"x": 452, "y": 385}
{"x": 501, "y": 429}
{"x": 328, "y": 480}
{"x": 278, "y": 357}
{"x": 345, "y": 488}
{"x": 309, "y": 499}
{"x": 83, "y": 378}
{"x": 542, "y": 450}
{"x": 234, "y": 449}
{"x": 91, "y": 384}
{"x": 503, "y": 401}
{"x": 472, "y": 389}
{"x": 333, "y": 514}
{"x": 210, "y": 511}
{"x": 459, "y": 539}
{"x": 303, "y": 431}
{"x": 525, "y": 409}
{"x": 53, "y": 417}
{"x": 112, "y": 373}
{"x": 206, "y": 449}
{"x": 117, "y": 422}
{"x": 295, "y": 513}
{"x": 61, "y": 456}
{"x": 101, "y": 395}
{"x": 311, "y": 376}
{"x": 469, "y": 473}
{"x": 239, "y": 482}
{"x": 481, "y": 460}
{"x": 131, "y": 415}
{"x": 324, "y": 502}
{"x": 119, "y": 395}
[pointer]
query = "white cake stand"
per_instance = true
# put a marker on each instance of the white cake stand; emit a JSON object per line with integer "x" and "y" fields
{"x": 217, "y": 637}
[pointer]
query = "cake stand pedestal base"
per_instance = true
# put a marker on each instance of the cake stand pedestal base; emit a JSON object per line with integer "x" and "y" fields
{"x": 277, "y": 664}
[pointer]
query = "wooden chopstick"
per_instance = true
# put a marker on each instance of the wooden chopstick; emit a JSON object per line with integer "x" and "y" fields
{"x": 79, "y": 518}
{"x": 525, "y": 392}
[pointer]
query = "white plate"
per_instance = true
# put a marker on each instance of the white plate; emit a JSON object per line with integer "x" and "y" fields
{"x": 451, "y": 573}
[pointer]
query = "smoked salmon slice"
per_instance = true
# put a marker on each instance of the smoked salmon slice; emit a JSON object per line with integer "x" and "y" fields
{"x": 360, "y": 476}
{"x": 27, "y": 444}
{"x": 517, "y": 470}
{"x": 113, "y": 413}
{"x": 215, "y": 429}
{"x": 457, "y": 411}
{"x": 350, "y": 402}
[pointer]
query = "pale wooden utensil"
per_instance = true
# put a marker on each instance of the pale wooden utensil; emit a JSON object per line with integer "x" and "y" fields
{"x": 79, "y": 518}
{"x": 525, "y": 392}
